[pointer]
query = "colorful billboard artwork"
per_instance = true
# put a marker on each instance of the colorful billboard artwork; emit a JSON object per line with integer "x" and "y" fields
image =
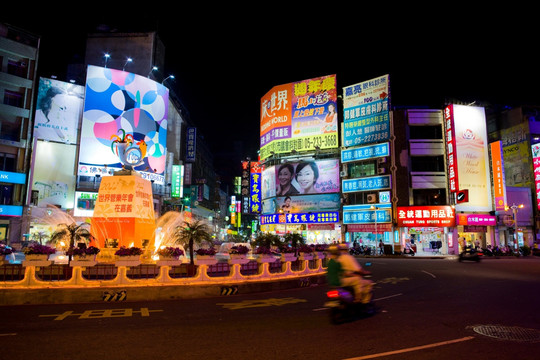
{"x": 299, "y": 116}
{"x": 124, "y": 124}
{"x": 366, "y": 108}
{"x": 58, "y": 110}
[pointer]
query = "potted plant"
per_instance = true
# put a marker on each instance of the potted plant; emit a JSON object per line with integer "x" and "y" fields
{"x": 169, "y": 253}
{"x": 205, "y": 252}
{"x": 129, "y": 254}
{"x": 238, "y": 252}
{"x": 84, "y": 254}
{"x": 287, "y": 253}
{"x": 37, "y": 252}
{"x": 306, "y": 252}
{"x": 320, "y": 250}
{"x": 265, "y": 254}
{"x": 4, "y": 250}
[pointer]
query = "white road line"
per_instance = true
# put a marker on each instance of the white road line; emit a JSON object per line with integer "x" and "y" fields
{"x": 433, "y": 276}
{"x": 387, "y": 297}
{"x": 383, "y": 298}
{"x": 416, "y": 348}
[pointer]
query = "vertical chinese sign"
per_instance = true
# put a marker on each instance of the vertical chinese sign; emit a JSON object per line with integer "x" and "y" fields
{"x": 497, "y": 166}
{"x": 451, "y": 148}
{"x": 191, "y": 144}
{"x": 536, "y": 167}
{"x": 255, "y": 188}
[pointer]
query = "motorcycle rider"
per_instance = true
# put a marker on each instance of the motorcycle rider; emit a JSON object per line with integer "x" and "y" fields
{"x": 349, "y": 272}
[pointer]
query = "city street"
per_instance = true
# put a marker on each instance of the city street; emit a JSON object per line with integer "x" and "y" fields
{"x": 428, "y": 308}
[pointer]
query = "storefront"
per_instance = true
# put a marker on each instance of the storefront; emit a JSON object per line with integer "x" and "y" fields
{"x": 316, "y": 227}
{"x": 476, "y": 229}
{"x": 367, "y": 225}
{"x": 427, "y": 230}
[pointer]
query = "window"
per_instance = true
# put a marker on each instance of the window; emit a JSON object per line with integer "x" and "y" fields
{"x": 426, "y": 132}
{"x": 7, "y": 162}
{"x": 429, "y": 197}
{"x": 359, "y": 170}
{"x": 13, "y": 98}
{"x": 18, "y": 68}
{"x": 427, "y": 163}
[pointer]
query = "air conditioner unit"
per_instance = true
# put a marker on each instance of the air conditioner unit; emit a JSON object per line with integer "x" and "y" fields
{"x": 371, "y": 198}
{"x": 381, "y": 160}
{"x": 381, "y": 171}
{"x": 342, "y": 173}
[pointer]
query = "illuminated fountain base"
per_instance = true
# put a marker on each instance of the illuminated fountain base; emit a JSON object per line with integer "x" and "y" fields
{"x": 124, "y": 211}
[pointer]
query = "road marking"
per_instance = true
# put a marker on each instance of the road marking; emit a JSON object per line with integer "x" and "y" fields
{"x": 261, "y": 303}
{"x": 392, "y": 280}
{"x": 378, "y": 299}
{"x": 102, "y": 313}
{"x": 433, "y": 276}
{"x": 387, "y": 297}
{"x": 416, "y": 348}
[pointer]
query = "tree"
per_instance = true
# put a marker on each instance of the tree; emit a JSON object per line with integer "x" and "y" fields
{"x": 72, "y": 233}
{"x": 295, "y": 240}
{"x": 190, "y": 234}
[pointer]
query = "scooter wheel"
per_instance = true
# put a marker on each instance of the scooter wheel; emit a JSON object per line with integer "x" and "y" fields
{"x": 336, "y": 316}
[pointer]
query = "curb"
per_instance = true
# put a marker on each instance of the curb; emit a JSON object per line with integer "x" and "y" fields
{"x": 77, "y": 295}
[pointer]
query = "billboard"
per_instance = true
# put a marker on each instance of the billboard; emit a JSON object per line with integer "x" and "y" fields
{"x": 299, "y": 116}
{"x": 302, "y": 203}
{"x": 52, "y": 176}
{"x": 426, "y": 216}
{"x": 497, "y": 166}
{"x": 536, "y": 168}
{"x": 124, "y": 124}
{"x": 301, "y": 178}
{"x": 59, "y": 107}
{"x": 470, "y": 155}
{"x": 366, "y": 112}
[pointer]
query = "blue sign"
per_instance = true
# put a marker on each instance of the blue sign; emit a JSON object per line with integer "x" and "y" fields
{"x": 11, "y": 210}
{"x": 367, "y": 216}
{"x": 366, "y": 184}
{"x": 301, "y": 218}
{"x": 12, "y": 177}
{"x": 366, "y": 123}
{"x": 365, "y": 152}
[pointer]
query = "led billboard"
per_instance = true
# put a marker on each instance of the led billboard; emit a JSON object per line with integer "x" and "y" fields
{"x": 299, "y": 116}
{"x": 301, "y": 178}
{"x": 124, "y": 124}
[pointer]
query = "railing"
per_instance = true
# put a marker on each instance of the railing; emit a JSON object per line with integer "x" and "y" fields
{"x": 124, "y": 273}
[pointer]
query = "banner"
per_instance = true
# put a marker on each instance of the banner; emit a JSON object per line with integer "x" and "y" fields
{"x": 497, "y": 166}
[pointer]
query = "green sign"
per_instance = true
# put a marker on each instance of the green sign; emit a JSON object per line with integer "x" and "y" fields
{"x": 177, "y": 181}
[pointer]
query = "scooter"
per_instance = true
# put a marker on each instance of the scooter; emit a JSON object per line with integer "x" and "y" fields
{"x": 340, "y": 302}
{"x": 470, "y": 253}
{"x": 408, "y": 251}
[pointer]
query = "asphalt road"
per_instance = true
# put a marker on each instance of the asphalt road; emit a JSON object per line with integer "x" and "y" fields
{"x": 429, "y": 309}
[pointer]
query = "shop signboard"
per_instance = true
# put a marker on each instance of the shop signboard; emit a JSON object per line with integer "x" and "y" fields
{"x": 497, "y": 166}
{"x": 365, "y": 152}
{"x": 255, "y": 187}
{"x": 301, "y": 218}
{"x": 366, "y": 108}
{"x": 366, "y": 184}
{"x": 438, "y": 216}
{"x": 476, "y": 219}
{"x": 536, "y": 169}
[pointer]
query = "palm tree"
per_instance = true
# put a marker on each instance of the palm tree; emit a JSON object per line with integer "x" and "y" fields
{"x": 192, "y": 233}
{"x": 73, "y": 233}
{"x": 295, "y": 240}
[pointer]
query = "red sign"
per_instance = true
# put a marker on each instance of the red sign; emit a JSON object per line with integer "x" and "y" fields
{"x": 436, "y": 216}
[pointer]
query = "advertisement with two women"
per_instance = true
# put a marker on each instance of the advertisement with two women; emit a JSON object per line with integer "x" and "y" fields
{"x": 301, "y": 186}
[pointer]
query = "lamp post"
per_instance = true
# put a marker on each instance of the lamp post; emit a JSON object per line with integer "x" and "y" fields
{"x": 170, "y": 76}
{"x": 515, "y": 208}
{"x": 107, "y": 56}
{"x": 128, "y": 60}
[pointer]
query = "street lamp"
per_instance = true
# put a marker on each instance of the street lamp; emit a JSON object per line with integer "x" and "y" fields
{"x": 515, "y": 208}
{"x": 107, "y": 56}
{"x": 128, "y": 60}
{"x": 154, "y": 68}
{"x": 170, "y": 76}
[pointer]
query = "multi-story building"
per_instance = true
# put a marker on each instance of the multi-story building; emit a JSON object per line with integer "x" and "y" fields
{"x": 18, "y": 80}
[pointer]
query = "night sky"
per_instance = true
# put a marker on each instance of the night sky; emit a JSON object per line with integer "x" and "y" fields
{"x": 225, "y": 59}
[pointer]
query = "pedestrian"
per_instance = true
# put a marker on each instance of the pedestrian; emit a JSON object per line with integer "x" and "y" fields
{"x": 381, "y": 247}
